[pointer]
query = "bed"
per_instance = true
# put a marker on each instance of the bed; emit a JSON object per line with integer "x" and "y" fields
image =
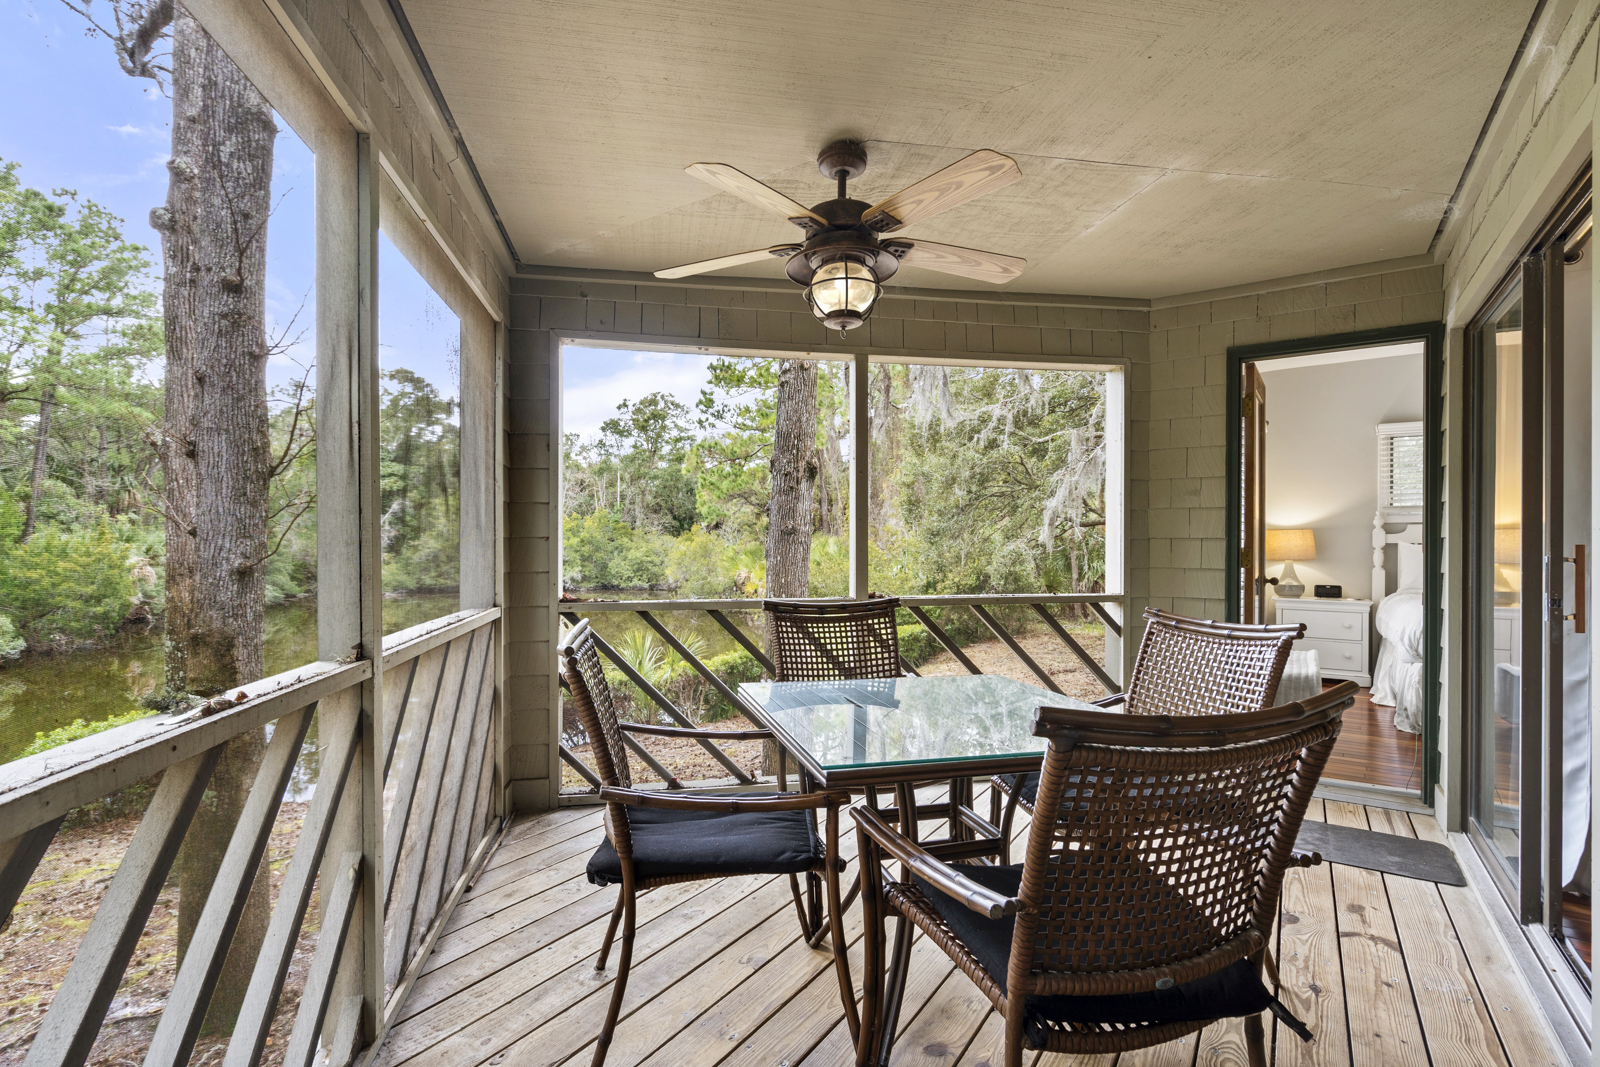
{"x": 1397, "y": 678}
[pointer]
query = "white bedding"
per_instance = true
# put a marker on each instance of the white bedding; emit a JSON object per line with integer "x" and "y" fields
{"x": 1397, "y": 680}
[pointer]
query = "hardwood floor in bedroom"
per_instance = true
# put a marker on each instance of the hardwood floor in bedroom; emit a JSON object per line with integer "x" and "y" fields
{"x": 1371, "y": 751}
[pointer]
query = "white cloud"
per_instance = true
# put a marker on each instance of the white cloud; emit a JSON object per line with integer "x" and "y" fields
{"x": 125, "y": 129}
{"x": 597, "y": 380}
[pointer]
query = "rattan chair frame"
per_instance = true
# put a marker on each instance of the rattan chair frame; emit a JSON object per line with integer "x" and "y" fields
{"x": 580, "y": 664}
{"x": 1211, "y": 804}
{"x": 834, "y": 641}
{"x": 1185, "y": 666}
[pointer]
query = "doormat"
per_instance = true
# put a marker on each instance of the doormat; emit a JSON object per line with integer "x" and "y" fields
{"x": 1408, "y": 857}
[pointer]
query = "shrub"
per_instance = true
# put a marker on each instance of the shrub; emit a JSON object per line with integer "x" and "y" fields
{"x": 77, "y": 728}
{"x": 11, "y": 644}
{"x": 600, "y": 551}
{"x": 77, "y": 585}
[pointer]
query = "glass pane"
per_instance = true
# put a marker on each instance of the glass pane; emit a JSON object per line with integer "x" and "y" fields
{"x": 669, "y": 463}
{"x": 92, "y": 335}
{"x": 992, "y": 480}
{"x": 419, "y": 430}
{"x": 1497, "y": 786}
{"x": 156, "y": 466}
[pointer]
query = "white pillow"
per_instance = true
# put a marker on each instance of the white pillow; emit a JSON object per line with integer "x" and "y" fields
{"x": 1410, "y": 568}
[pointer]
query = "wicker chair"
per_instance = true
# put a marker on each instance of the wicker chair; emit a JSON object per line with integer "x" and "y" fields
{"x": 829, "y": 642}
{"x": 659, "y": 838}
{"x": 1143, "y": 908}
{"x": 1185, "y": 667}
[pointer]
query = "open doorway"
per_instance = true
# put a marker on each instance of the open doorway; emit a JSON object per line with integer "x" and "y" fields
{"x": 1333, "y": 526}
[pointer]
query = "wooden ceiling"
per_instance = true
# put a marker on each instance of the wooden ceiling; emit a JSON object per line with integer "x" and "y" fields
{"x": 1167, "y": 146}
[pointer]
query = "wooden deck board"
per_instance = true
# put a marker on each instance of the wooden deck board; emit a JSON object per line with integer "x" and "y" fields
{"x": 1523, "y": 1031}
{"x": 1307, "y": 951}
{"x": 722, "y": 979}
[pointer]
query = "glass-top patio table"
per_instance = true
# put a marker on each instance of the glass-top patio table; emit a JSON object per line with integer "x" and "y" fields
{"x": 882, "y": 731}
{"x": 869, "y": 734}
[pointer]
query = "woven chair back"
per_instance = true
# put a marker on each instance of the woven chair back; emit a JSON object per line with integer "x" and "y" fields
{"x": 586, "y": 678}
{"x": 1146, "y": 863}
{"x": 830, "y": 642}
{"x": 1199, "y": 667}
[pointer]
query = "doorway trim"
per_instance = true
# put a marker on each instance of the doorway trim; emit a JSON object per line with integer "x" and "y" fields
{"x": 1431, "y": 334}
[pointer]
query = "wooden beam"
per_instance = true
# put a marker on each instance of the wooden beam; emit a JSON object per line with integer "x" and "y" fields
{"x": 943, "y": 638}
{"x": 745, "y": 642}
{"x": 18, "y": 859}
{"x": 294, "y": 895}
{"x": 230, "y": 891}
{"x": 860, "y": 475}
{"x": 336, "y": 916}
{"x": 79, "y": 1006}
{"x": 659, "y": 699}
{"x": 39, "y": 790}
{"x": 1011, "y": 643}
{"x": 369, "y": 757}
{"x": 1077, "y": 649}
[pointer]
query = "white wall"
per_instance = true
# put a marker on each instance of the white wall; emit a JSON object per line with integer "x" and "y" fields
{"x": 1322, "y": 453}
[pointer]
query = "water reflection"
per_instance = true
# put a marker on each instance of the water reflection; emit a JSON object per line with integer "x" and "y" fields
{"x": 38, "y": 694}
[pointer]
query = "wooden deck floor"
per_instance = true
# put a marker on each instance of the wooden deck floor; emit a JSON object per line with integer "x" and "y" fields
{"x": 1388, "y": 972}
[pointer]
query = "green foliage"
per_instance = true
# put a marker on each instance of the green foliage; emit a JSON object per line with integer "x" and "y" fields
{"x": 600, "y": 551}
{"x": 60, "y": 584}
{"x": 77, "y": 729}
{"x": 419, "y": 484}
{"x": 11, "y": 643}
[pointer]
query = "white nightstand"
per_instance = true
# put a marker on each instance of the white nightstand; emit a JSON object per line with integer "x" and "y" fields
{"x": 1337, "y": 629}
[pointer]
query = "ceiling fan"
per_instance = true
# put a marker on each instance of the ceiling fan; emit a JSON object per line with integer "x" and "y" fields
{"x": 843, "y": 263}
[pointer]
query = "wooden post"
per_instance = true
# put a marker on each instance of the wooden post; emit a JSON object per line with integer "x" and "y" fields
{"x": 860, "y": 475}
{"x": 369, "y": 909}
{"x": 349, "y": 579}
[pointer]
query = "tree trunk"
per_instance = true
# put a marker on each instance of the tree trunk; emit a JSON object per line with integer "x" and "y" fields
{"x": 216, "y": 454}
{"x": 794, "y": 470}
{"x": 41, "y": 454}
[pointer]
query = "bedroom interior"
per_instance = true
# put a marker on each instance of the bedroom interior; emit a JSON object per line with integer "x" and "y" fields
{"x": 1343, "y": 509}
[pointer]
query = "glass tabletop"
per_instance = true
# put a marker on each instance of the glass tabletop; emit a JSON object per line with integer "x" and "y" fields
{"x": 885, "y": 721}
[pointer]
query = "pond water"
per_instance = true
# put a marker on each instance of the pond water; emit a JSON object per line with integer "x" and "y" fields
{"x": 41, "y": 693}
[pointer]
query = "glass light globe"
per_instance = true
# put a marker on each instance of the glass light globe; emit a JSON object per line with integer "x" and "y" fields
{"x": 842, "y": 294}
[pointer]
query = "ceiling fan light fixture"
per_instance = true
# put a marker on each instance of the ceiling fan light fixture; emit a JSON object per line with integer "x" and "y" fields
{"x": 842, "y": 294}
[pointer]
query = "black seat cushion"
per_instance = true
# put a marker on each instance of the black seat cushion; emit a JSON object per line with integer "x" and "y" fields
{"x": 669, "y": 842}
{"x": 1027, "y": 788}
{"x": 1233, "y": 991}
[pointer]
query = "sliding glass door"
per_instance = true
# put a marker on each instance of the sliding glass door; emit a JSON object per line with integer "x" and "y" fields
{"x": 1529, "y": 514}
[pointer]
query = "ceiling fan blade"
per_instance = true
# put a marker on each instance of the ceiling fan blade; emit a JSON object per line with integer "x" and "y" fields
{"x": 752, "y": 256}
{"x": 746, "y": 188}
{"x": 953, "y": 259}
{"x": 982, "y": 172}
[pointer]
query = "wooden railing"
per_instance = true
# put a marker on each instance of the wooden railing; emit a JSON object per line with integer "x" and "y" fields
{"x": 413, "y": 836}
{"x": 718, "y": 610}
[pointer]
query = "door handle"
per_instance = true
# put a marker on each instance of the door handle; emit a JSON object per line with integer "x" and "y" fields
{"x": 1580, "y": 567}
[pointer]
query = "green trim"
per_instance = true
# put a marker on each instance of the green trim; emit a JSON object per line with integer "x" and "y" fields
{"x": 1431, "y": 334}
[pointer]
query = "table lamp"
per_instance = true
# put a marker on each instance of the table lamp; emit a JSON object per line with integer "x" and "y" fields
{"x": 1290, "y": 545}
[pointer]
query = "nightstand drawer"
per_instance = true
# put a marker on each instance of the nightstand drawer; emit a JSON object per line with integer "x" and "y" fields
{"x": 1327, "y": 625}
{"x": 1336, "y": 655}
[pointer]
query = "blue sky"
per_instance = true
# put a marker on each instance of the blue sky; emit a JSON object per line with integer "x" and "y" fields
{"x": 73, "y": 120}
{"x": 83, "y": 124}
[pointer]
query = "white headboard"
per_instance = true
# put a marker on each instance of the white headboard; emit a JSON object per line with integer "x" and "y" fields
{"x": 1381, "y": 539}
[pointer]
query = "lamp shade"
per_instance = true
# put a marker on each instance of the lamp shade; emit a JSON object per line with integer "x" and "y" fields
{"x": 1291, "y": 544}
{"x": 1507, "y": 545}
